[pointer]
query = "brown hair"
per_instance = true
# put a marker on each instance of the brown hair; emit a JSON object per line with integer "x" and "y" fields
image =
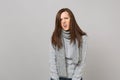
{"x": 75, "y": 31}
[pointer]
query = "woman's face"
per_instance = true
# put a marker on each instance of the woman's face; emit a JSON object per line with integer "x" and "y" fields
{"x": 65, "y": 20}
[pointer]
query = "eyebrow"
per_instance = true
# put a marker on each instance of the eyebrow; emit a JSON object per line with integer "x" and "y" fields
{"x": 65, "y": 17}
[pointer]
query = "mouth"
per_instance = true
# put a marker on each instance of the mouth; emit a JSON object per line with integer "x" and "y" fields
{"x": 65, "y": 25}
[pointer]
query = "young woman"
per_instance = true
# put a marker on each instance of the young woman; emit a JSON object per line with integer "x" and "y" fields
{"x": 67, "y": 48}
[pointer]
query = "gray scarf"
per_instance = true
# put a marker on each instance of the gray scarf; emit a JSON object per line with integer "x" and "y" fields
{"x": 60, "y": 55}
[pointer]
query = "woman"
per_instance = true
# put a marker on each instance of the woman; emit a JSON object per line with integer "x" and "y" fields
{"x": 67, "y": 48}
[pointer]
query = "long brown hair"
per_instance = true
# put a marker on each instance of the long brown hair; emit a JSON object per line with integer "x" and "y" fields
{"x": 75, "y": 31}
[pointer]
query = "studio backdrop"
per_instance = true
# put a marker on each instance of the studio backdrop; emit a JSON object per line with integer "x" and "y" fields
{"x": 27, "y": 25}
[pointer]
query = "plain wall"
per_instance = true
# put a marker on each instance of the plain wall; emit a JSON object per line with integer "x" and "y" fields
{"x": 27, "y": 25}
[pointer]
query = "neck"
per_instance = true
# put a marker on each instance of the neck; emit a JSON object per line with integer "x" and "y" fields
{"x": 66, "y": 34}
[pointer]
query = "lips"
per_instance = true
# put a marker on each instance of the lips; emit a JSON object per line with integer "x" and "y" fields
{"x": 64, "y": 25}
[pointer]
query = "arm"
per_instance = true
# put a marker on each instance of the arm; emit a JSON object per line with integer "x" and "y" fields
{"x": 52, "y": 63}
{"x": 79, "y": 68}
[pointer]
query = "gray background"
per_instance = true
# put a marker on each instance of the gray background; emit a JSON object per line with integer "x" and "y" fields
{"x": 26, "y": 27}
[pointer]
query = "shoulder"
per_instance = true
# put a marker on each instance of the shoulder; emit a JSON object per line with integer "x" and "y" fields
{"x": 84, "y": 37}
{"x": 84, "y": 40}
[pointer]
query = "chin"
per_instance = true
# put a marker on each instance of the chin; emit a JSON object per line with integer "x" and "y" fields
{"x": 66, "y": 29}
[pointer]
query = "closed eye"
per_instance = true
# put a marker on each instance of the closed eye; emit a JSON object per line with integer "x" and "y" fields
{"x": 66, "y": 18}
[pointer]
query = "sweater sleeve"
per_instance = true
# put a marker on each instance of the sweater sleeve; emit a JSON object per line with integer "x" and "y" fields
{"x": 52, "y": 63}
{"x": 79, "y": 68}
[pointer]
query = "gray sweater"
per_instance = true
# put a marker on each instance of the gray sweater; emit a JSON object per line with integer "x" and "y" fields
{"x": 73, "y": 71}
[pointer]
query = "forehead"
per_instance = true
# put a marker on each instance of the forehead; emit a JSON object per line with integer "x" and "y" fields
{"x": 64, "y": 14}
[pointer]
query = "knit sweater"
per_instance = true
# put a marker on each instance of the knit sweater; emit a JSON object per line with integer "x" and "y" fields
{"x": 74, "y": 71}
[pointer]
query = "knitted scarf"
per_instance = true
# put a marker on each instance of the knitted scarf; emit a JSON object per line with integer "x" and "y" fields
{"x": 60, "y": 55}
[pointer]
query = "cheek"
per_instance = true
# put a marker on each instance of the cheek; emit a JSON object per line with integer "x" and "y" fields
{"x": 69, "y": 22}
{"x": 61, "y": 24}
